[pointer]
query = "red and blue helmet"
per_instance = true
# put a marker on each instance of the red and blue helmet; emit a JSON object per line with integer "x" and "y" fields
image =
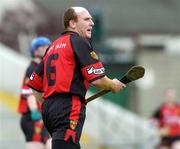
{"x": 38, "y": 42}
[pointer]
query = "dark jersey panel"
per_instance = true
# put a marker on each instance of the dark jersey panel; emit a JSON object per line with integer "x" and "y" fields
{"x": 30, "y": 69}
{"x": 82, "y": 49}
{"x": 78, "y": 85}
{"x": 91, "y": 67}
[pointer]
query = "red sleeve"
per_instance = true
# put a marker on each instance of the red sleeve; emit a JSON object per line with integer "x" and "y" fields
{"x": 93, "y": 72}
{"x": 36, "y": 82}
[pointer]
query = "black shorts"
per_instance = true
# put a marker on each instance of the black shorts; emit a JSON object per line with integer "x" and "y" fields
{"x": 64, "y": 117}
{"x": 33, "y": 130}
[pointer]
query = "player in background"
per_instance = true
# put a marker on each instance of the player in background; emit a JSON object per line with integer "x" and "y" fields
{"x": 167, "y": 119}
{"x": 68, "y": 67}
{"x": 31, "y": 120}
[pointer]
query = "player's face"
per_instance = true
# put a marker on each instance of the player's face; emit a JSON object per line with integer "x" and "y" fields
{"x": 41, "y": 51}
{"x": 84, "y": 24}
{"x": 170, "y": 96}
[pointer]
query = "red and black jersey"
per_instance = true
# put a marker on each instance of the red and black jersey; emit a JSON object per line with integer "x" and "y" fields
{"x": 68, "y": 66}
{"x": 169, "y": 116}
{"x": 25, "y": 90}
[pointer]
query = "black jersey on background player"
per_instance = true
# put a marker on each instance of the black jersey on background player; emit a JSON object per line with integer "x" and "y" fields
{"x": 29, "y": 126}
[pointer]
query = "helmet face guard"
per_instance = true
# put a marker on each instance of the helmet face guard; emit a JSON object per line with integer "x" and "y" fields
{"x": 38, "y": 42}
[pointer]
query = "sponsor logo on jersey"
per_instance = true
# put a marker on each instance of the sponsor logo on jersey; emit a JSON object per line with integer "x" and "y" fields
{"x": 94, "y": 55}
{"x": 73, "y": 124}
{"x": 93, "y": 70}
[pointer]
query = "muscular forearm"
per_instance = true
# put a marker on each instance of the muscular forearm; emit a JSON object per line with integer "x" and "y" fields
{"x": 38, "y": 96}
{"x": 31, "y": 100}
{"x": 103, "y": 83}
{"x": 108, "y": 84}
{"x": 32, "y": 104}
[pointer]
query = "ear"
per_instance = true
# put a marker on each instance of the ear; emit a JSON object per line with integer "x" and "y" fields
{"x": 72, "y": 24}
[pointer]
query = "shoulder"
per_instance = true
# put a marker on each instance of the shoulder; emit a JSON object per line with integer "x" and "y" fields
{"x": 75, "y": 38}
{"x": 31, "y": 67}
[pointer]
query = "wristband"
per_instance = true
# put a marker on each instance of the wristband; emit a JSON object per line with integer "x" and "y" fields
{"x": 35, "y": 115}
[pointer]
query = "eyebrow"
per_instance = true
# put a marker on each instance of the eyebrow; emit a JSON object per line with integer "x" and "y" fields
{"x": 88, "y": 18}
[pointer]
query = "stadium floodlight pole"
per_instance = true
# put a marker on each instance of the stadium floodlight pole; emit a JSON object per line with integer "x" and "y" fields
{"x": 134, "y": 73}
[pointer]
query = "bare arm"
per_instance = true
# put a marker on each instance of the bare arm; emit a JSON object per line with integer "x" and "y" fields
{"x": 31, "y": 100}
{"x": 38, "y": 96}
{"x": 32, "y": 104}
{"x": 106, "y": 83}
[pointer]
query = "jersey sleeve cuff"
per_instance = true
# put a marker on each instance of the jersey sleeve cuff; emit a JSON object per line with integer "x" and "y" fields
{"x": 93, "y": 71}
{"x": 38, "y": 90}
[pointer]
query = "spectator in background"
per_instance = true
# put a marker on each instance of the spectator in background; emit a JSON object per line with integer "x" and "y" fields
{"x": 31, "y": 121}
{"x": 167, "y": 118}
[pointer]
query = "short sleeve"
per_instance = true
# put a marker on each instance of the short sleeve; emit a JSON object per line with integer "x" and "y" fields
{"x": 36, "y": 78}
{"x": 26, "y": 90}
{"x": 91, "y": 67}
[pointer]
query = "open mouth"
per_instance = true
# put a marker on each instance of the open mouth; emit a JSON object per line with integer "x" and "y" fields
{"x": 89, "y": 30}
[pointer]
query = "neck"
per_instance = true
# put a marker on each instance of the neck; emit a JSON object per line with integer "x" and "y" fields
{"x": 37, "y": 59}
{"x": 71, "y": 30}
